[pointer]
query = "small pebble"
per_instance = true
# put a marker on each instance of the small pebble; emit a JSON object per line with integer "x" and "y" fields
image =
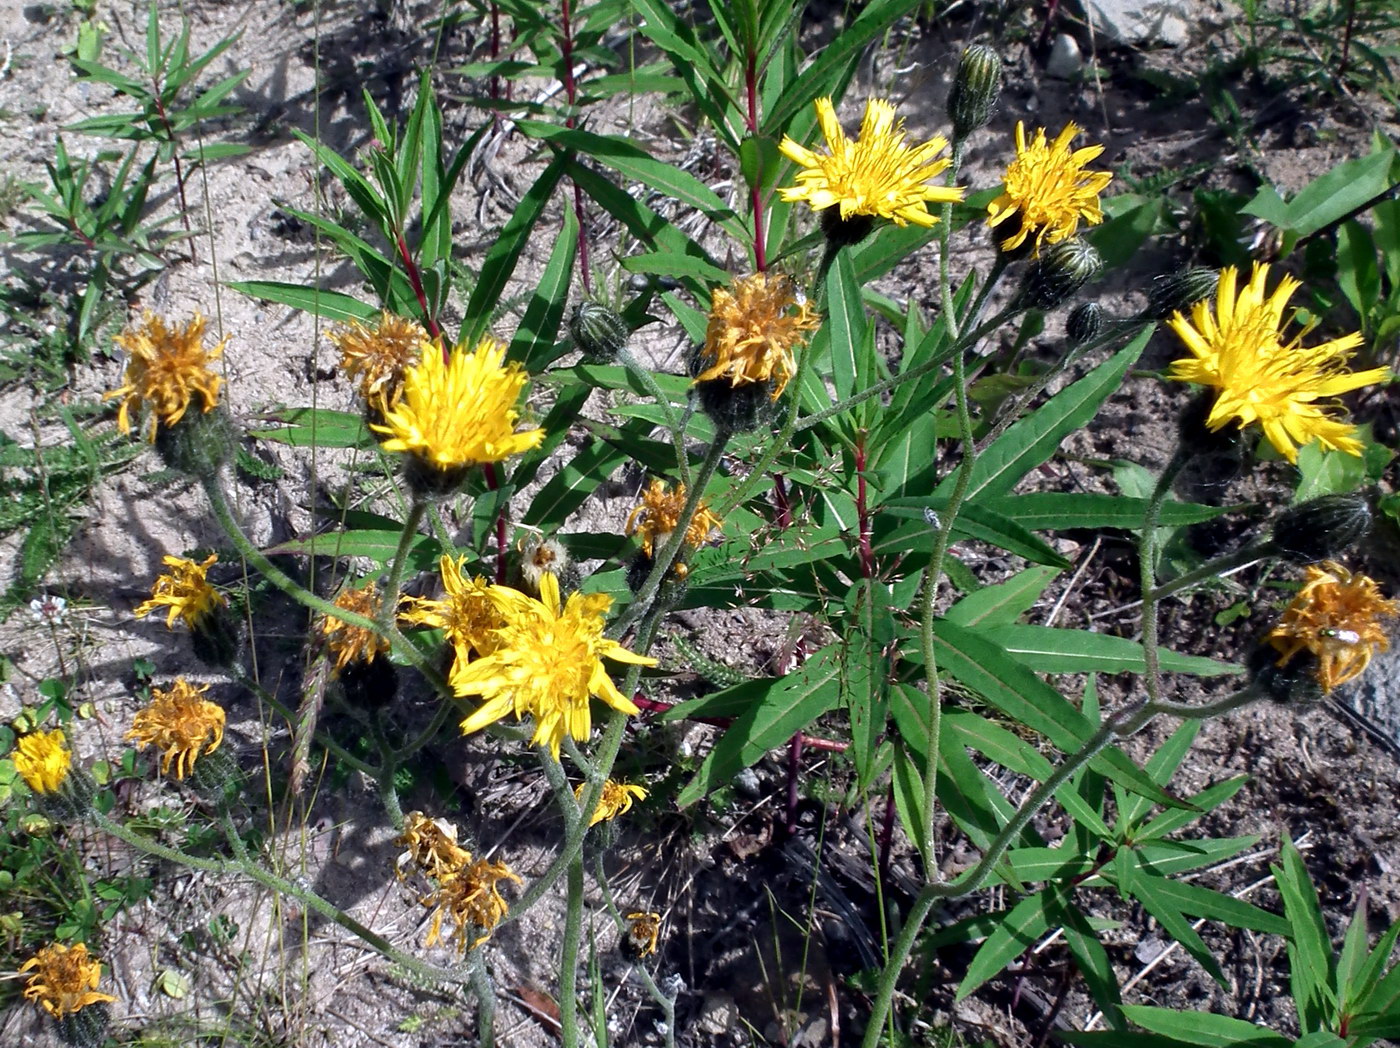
{"x": 1065, "y": 61}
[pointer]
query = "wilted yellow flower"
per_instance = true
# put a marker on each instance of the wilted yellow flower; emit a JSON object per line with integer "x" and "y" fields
{"x": 42, "y": 760}
{"x": 472, "y": 898}
{"x": 643, "y": 929}
{"x": 65, "y": 979}
{"x": 1047, "y": 186}
{"x": 1237, "y": 346}
{"x": 166, "y": 368}
{"x": 185, "y": 591}
{"x": 467, "y": 614}
{"x": 659, "y": 514}
{"x": 546, "y": 664}
{"x": 379, "y": 356}
{"x": 431, "y": 846}
{"x": 1337, "y": 616}
{"x": 876, "y": 175}
{"x": 751, "y": 334}
{"x": 180, "y": 723}
{"x": 616, "y": 799}
{"x": 461, "y": 412}
{"x": 354, "y": 643}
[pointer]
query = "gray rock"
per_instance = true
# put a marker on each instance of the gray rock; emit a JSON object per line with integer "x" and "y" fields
{"x": 1139, "y": 22}
{"x": 1065, "y": 61}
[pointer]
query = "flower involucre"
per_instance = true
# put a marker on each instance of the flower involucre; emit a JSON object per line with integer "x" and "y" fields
{"x": 353, "y": 643}
{"x": 546, "y": 663}
{"x": 431, "y": 846}
{"x": 659, "y": 514}
{"x": 1237, "y": 346}
{"x": 751, "y": 333}
{"x": 616, "y": 799}
{"x": 460, "y": 412}
{"x": 42, "y": 760}
{"x": 166, "y": 368}
{"x": 181, "y": 723}
{"x": 1337, "y": 616}
{"x": 185, "y": 591}
{"x": 65, "y": 979}
{"x": 1047, "y": 186}
{"x": 379, "y": 356}
{"x": 877, "y": 175}
{"x": 467, "y": 614}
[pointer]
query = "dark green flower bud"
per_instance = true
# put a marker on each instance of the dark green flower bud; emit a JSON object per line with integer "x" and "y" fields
{"x": 1293, "y": 684}
{"x": 216, "y": 638}
{"x": 369, "y": 685}
{"x": 87, "y": 1027}
{"x": 216, "y": 777}
{"x": 733, "y": 409}
{"x": 1060, "y": 271}
{"x": 200, "y": 444}
{"x": 975, "y": 90}
{"x": 1178, "y": 292}
{"x": 1321, "y": 528}
{"x": 72, "y": 801}
{"x": 1085, "y": 323}
{"x": 598, "y": 332}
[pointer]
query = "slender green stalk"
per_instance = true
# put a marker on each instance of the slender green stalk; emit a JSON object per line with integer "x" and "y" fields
{"x": 673, "y": 423}
{"x": 1147, "y": 558}
{"x": 667, "y": 1003}
{"x": 1213, "y": 568}
{"x": 1126, "y": 723}
{"x": 390, "y": 604}
{"x": 485, "y": 999}
{"x": 568, "y": 970}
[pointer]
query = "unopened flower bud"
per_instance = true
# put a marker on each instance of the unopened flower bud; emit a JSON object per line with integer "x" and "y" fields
{"x": 1321, "y": 529}
{"x": 598, "y": 332}
{"x": 733, "y": 409}
{"x": 1177, "y": 292}
{"x": 845, "y": 232}
{"x": 1085, "y": 323}
{"x": 975, "y": 90}
{"x": 1060, "y": 271}
{"x": 85, "y": 1028}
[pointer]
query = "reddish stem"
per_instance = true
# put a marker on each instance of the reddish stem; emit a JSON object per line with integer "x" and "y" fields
{"x": 760, "y": 260}
{"x": 415, "y": 279}
{"x": 489, "y": 468}
{"x": 886, "y": 833}
{"x": 566, "y": 52}
{"x": 794, "y": 766}
{"x": 781, "y": 501}
{"x": 495, "y": 50}
{"x": 867, "y": 554}
{"x": 649, "y": 705}
{"x": 1050, "y": 9}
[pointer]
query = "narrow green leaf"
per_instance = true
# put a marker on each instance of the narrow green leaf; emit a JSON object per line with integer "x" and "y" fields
{"x": 1348, "y": 187}
{"x": 1005, "y": 602}
{"x": 1154, "y": 894}
{"x": 791, "y": 704}
{"x": 1049, "y": 650}
{"x": 1091, "y": 959}
{"x": 1033, "y": 439}
{"x": 329, "y": 305}
{"x": 1017, "y": 932}
{"x": 843, "y": 335}
{"x": 505, "y": 253}
{"x": 1310, "y": 960}
{"x": 535, "y": 338}
{"x": 303, "y": 427}
{"x": 1204, "y": 1028}
{"x": 378, "y": 546}
{"x": 1063, "y": 510}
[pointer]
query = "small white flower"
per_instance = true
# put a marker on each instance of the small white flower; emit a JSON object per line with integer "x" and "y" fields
{"x": 48, "y": 608}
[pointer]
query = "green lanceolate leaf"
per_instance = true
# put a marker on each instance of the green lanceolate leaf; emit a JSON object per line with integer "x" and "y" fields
{"x": 378, "y": 546}
{"x": 790, "y": 704}
{"x": 1310, "y": 960}
{"x": 1016, "y": 932}
{"x": 1049, "y": 650}
{"x": 1157, "y": 898}
{"x": 305, "y": 427}
{"x": 329, "y": 305}
{"x": 1003, "y": 603}
{"x": 534, "y": 344}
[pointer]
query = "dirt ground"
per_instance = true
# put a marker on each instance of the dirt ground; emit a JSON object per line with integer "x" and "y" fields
{"x": 735, "y": 894}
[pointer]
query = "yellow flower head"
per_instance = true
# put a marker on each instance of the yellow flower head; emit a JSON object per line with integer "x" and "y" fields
{"x": 185, "y": 591}
{"x": 1237, "y": 345}
{"x": 460, "y": 412}
{"x": 64, "y": 981}
{"x": 166, "y": 368}
{"x": 616, "y": 799}
{"x": 354, "y": 643}
{"x": 180, "y": 723}
{"x": 467, "y": 614}
{"x": 42, "y": 760}
{"x": 431, "y": 846}
{"x": 379, "y": 356}
{"x": 1336, "y": 615}
{"x": 471, "y": 896}
{"x": 659, "y": 513}
{"x": 751, "y": 333}
{"x": 643, "y": 929}
{"x": 1047, "y": 186}
{"x": 876, "y": 175}
{"x": 546, "y": 664}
